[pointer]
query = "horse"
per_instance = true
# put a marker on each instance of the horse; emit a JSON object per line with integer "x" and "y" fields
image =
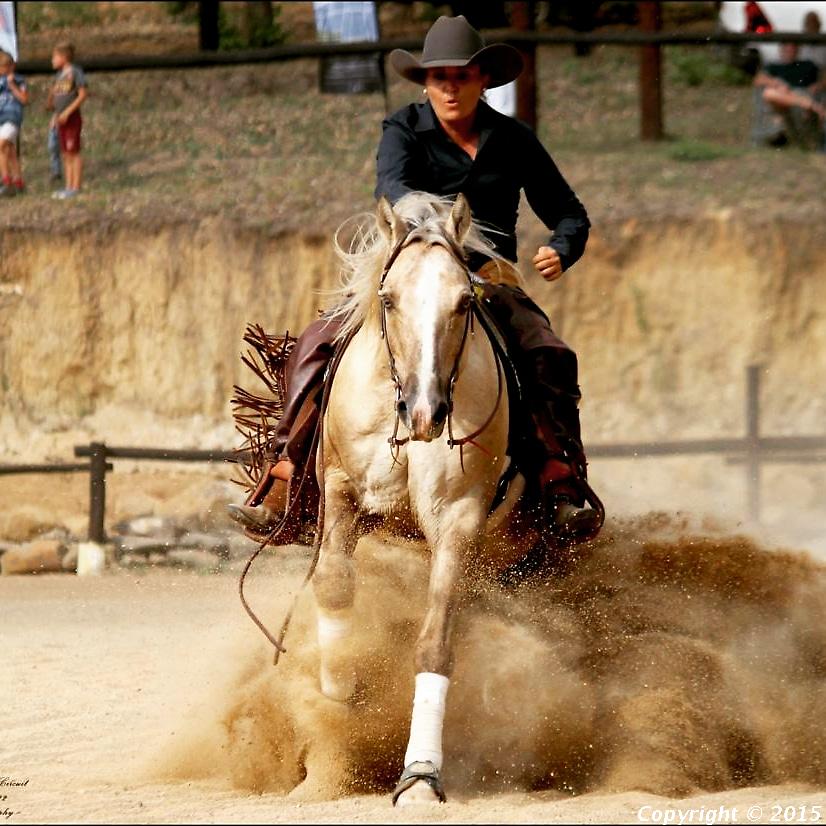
{"x": 416, "y": 358}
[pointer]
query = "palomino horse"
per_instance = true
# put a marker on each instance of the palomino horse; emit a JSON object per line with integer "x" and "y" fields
{"x": 416, "y": 357}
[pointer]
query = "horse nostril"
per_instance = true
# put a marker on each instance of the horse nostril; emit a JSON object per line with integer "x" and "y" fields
{"x": 440, "y": 414}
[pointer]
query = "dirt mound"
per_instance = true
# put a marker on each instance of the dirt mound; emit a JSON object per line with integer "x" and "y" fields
{"x": 670, "y": 660}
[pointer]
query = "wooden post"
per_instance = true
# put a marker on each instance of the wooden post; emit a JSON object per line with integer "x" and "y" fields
{"x": 522, "y": 18}
{"x": 97, "y": 492}
{"x": 753, "y": 466}
{"x": 208, "y": 25}
{"x": 651, "y": 95}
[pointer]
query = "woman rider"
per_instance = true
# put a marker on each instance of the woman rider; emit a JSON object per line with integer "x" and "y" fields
{"x": 451, "y": 143}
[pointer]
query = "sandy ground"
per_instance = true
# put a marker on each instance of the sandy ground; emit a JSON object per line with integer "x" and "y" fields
{"x": 100, "y": 678}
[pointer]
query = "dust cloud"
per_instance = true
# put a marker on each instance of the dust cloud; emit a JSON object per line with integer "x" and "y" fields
{"x": 669, "y": 657}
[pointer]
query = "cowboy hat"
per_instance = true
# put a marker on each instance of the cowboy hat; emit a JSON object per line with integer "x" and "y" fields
{"x": 452, "y": 41}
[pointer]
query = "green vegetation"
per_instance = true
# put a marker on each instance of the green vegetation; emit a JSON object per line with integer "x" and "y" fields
{"x": 699, "y": 65}
{"x": 698, "y": 151}
{"x": 35, "y": 17}
{"x": 260, "y": 146}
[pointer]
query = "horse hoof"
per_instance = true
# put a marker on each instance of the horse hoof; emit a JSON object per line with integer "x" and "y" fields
{"x": 419, "y": 794}
{"x": 420, "y": 783}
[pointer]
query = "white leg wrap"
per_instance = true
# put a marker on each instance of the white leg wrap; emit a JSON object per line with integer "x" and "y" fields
{"x": 333, "y": 627}
{"x": 425, "y": 742}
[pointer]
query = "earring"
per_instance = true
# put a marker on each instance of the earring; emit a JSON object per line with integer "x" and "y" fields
{"x": 424, "y": 91}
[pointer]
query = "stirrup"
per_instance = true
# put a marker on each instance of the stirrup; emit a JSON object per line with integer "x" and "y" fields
{"x": 420, "y": 770}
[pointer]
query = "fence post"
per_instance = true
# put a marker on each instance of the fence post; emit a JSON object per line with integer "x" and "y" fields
{"x": 522, "y": 18}
{"x": 97, "y": 491}
{"x": 651, "y": 93}
{"x": 208, "y": 25}
{"x": 753, "y": 466}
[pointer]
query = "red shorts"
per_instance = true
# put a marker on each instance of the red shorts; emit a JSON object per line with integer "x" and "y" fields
{"x": 69, "y": 133}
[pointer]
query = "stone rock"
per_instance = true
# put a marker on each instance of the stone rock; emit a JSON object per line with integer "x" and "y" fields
{"x": 42, "y": 556}
{"x": 191, "y": 558}
{"x": 26, "y": 522}
{"x": 158, "y": 527}
{"x": 70, "y": 559}
{"x": 142, "y": 544}
{"x": 218, "y": 545}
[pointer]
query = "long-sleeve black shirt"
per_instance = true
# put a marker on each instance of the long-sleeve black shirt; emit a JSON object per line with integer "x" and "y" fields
{"x": 415, "y": 154}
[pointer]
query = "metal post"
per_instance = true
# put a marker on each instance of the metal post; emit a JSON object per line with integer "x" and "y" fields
{"x": 97, "y": 492}
{"x": 753, "y": 438}
{"x": 651, "y": 93}
{"x": 522, "y": 18}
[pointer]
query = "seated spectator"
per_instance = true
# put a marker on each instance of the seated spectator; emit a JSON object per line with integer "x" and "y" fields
{"x": 13, "y": 97}
{"x": 789, "y": 87}
{"x": 816, "y": 52}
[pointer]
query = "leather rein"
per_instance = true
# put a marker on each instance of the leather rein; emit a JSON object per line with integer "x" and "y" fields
{"x": 394, "y": 441}
{"x": 317, "y": 444}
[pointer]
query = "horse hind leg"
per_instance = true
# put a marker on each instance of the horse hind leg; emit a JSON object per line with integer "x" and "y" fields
{"x": 334, "y": 587}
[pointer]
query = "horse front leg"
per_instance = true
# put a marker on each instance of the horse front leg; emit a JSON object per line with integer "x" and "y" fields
{"x": 452, "y": 541}
{"x": 334, "y": 587}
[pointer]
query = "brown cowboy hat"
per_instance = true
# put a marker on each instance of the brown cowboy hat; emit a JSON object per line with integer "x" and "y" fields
{"x": 452, "y": 41}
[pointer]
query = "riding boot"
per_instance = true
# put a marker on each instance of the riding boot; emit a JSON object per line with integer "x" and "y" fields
{"x": 563, "y": 475}
{"x": 290, "y": 452}
{"x": 547, "y": 370}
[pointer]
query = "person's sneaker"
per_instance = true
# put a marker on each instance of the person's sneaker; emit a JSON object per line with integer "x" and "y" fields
{"x": 65, "y": 194}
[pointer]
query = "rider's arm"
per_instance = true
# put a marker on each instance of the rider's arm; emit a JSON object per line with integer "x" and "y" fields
{"x": 554, "y": 202}
{"x": 396, "y": 163}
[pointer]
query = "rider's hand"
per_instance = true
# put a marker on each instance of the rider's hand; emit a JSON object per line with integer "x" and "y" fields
{"x": 547, "y": 263}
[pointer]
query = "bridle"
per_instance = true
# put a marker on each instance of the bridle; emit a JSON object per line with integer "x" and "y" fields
{"x": 473, "y": 309}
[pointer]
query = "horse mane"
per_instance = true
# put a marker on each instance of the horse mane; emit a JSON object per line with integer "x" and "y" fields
{"x": 363, "y": 257}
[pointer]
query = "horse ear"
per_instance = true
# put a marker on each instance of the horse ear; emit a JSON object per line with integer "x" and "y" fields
{"x": 390, "y": 225}
{"x": 458, "y": 222}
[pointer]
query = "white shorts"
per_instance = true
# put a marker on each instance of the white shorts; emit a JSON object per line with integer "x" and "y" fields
{"x": 9, "y": 132}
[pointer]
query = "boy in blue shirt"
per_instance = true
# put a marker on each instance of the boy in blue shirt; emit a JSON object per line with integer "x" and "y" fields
{"x": 13, "y": 97}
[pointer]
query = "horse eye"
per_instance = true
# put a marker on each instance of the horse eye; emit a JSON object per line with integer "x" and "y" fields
{"x": 387, "y": 302}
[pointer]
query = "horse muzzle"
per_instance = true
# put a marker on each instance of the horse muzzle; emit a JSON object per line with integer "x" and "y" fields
{"x": 426, "y": 421}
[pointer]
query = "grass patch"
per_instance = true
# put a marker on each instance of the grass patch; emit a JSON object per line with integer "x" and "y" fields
{"x": 694, "y": 151}
{"x": 260, "y": 146}
{"x": 701, "y": 65}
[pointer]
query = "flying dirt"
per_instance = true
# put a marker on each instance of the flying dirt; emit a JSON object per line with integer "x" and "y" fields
{"x": 669, "y": 658}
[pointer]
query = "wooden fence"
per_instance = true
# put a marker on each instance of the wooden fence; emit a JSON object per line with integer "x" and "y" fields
{"x": 752, "y": 450}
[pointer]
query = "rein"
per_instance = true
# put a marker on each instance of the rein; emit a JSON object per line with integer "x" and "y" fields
{"x": 317, "y": 444}
{"x": 394, "y": 441}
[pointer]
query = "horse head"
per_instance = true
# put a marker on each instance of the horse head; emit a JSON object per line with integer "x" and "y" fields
{"x": 426, "y": 297}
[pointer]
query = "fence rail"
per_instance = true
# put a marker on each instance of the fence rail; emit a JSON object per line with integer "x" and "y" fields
{"x": 299, "y": 51}
{"x": 751, "y": 450}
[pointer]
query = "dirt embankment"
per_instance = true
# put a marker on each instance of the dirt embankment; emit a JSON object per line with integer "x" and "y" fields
{"x": 128, "y": 334}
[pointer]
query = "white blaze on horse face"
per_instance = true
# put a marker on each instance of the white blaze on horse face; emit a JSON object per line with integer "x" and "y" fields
{"x": 427, "y": 300}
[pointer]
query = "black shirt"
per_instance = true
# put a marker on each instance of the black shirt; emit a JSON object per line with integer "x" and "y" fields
{"x": 415, "y": 153}
{"x": 798, "y": 75}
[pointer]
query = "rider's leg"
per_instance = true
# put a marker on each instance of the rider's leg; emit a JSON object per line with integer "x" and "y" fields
{"x": 291, "y": 445}
{"x": 548, "y": 370}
